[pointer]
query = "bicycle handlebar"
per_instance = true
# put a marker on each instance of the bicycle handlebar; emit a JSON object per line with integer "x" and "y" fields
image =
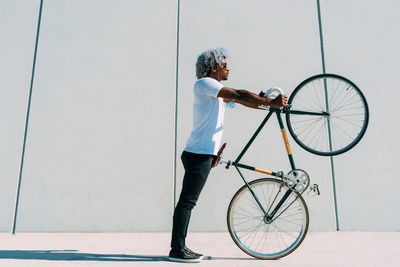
{"x": 270, "y": 93}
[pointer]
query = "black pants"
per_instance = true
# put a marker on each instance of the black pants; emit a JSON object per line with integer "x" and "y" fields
{"x": 197, "y": 167}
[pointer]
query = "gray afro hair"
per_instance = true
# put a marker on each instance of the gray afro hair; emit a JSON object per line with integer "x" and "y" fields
{"x": 208, "y": 60}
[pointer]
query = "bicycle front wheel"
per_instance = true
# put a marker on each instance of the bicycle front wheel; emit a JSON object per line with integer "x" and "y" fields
{"x": 328, "y": 114}
{"x": 261, "y": 237}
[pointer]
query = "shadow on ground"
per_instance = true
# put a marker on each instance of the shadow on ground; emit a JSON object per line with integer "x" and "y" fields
{"x": 75, "y": 255}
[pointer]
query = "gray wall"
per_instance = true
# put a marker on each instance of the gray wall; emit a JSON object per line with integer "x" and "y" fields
{"x": 101, "y": 139}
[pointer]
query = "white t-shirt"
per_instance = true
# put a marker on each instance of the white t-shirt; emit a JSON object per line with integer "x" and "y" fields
{"x": 208, "y": 118}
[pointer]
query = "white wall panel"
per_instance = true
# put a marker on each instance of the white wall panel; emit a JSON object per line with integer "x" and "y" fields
{"x": 100, "y": 145}
{"x": 362, "y": 41}
{"x": 18, "y": 22}
{"x": 271, "y": 44}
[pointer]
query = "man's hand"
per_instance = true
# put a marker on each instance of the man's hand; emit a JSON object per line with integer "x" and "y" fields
{"x": 279, "y": 101}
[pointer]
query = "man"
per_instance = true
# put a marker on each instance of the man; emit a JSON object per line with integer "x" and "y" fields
{"x": 205, "y": 139}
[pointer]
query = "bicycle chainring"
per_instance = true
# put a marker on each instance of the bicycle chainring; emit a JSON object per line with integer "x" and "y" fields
{"x": 300, "y": 180}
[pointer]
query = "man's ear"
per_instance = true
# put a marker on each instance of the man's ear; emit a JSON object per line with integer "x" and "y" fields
{"x": 214, "y": 69}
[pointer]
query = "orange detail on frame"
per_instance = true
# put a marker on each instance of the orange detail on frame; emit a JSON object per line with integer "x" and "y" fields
{"x": 263, "y": 171}
{"x": 286, "y": 141}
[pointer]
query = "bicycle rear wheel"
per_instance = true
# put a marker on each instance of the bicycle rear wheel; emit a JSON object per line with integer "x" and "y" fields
{"x": 257, "y": 236}
{"x": 328, "y": 114}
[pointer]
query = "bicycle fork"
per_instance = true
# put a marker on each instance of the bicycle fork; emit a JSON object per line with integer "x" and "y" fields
{"x": 268, "y": 217}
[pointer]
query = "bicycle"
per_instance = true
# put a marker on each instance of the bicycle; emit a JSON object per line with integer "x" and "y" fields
{"x": 327, "y": 115}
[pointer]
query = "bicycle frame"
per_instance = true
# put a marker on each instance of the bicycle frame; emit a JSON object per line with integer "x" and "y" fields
{"x": 326, "y": 115}
{"x": 239, "y": 165}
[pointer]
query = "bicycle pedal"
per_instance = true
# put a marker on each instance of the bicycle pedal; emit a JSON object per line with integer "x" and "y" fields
{"x": 315, "y": 189}
{"x": 228, "y": 164}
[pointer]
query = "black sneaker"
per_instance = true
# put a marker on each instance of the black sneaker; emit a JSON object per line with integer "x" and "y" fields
{"x": 193, "y": 253}
{"x": 183, "y": 255}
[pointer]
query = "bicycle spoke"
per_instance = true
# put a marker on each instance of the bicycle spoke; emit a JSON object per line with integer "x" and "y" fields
{"x": 280, "y": 237}
{"x": 343, "y": 99}
{"x": 304, "y": 104}
{"x": 338, "y": 95}
{"x": 243, "y": 222}
{"x": 335, "y": 92}
{"x": 341, "y": 130}
{"x": 282, "y": 231}
{"x": 320, "y": 133}
{"x": 349, "y": 121}
{"x": 311, "y": 126}
{"x": 318, "y": 98}
{"x": 347, "y": 105}
{"x": 245, "y": 211}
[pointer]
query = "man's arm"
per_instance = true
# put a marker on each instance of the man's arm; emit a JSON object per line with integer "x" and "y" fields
{"x": 250, "y": 99}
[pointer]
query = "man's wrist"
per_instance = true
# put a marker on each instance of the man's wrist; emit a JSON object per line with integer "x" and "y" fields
{"x": 268, "y": 101}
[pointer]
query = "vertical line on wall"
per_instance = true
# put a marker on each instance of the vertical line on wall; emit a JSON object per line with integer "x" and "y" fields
{"x": 331, "y": 157}
{"x": 176, "y": 103}
{"x": 27, "y": 121}
{"x": 321, "y": 39}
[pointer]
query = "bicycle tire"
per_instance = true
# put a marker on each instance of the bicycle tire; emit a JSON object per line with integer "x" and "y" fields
{"x": 343, "y": 114}
{"x": 250, "y": 231}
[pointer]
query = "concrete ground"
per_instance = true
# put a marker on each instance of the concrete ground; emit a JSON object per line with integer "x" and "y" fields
{"x": 378, "y": 249}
